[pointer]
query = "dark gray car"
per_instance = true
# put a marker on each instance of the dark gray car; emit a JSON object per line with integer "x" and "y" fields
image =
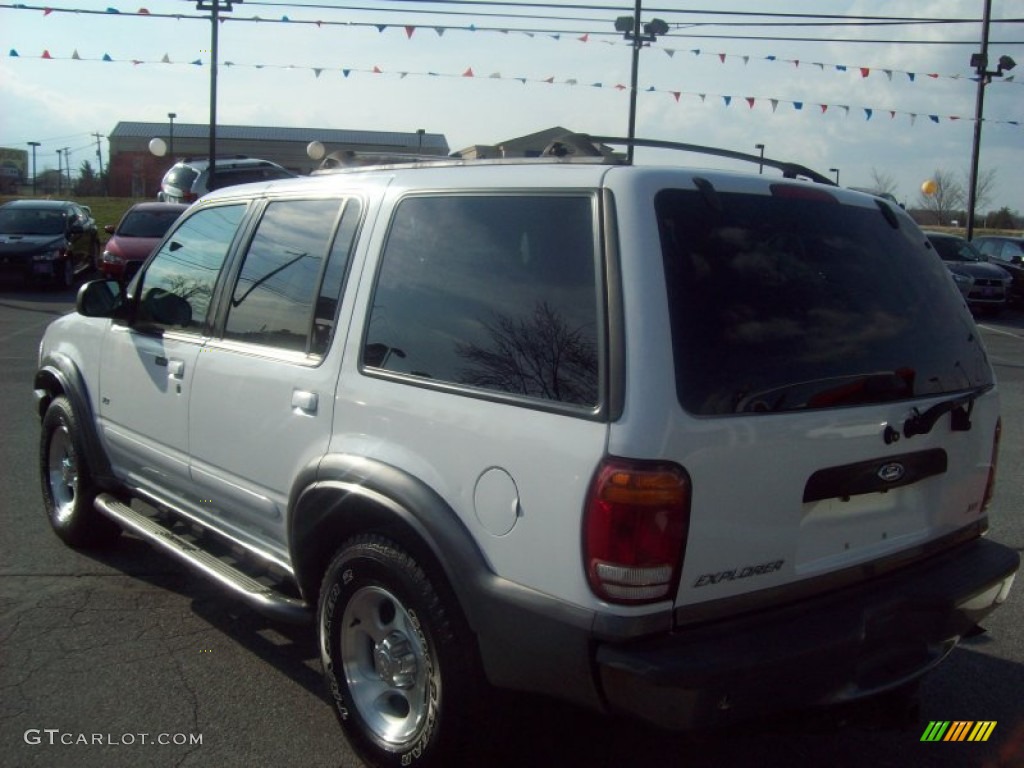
{"x": 48, "y": 240}
{"x": 984, "y": 286}
{"x": 1008, "y": 252}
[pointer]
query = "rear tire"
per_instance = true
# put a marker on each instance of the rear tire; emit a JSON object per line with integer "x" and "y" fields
{"x": 400, "y": 662}
{"x": 68, "y": 489}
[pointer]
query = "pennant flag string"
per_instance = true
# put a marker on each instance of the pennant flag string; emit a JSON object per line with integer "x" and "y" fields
{"x": 675, "y": 93}
{"x": 582, "y": 37}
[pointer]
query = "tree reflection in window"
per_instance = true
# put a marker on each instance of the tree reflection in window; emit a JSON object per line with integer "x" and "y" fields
{"x": 536, "y": 356}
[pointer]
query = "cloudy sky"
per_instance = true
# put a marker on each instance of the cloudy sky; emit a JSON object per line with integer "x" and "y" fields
{"x": 854, "y": 91}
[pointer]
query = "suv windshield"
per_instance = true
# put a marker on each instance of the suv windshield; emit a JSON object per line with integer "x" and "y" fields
{"x": 779, "y": 303}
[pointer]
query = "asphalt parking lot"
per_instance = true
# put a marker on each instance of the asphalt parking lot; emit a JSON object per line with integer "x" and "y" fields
{"x": 125, "y": 659}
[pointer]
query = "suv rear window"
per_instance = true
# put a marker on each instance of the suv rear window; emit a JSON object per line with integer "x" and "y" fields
{"x": 779, "y": 303}
{"x": 182, "y": 177}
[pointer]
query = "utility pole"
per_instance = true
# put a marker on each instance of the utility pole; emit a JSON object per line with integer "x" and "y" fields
{"x": 99, "y": 155}
{"x": 214, "y": 7}
{"x": 60, "y": 170}
{"x": 34, "y": 144}
{"x": 67, "y": 162}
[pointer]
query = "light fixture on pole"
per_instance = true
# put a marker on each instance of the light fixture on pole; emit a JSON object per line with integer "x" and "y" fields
{"x": 980, "y": 63}
{"x": 34, "y": 144}
{"x": 630, "y": 27}
{"x": 214, "y": 7}
{"x": 836, "y": 172}
{"x": 760, "y": 166}
{"x": 170, "y": 134}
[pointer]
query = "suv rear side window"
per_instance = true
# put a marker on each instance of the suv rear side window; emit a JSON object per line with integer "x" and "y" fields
{"x": 494, "y": 292}
{"x": 779, "y": 303}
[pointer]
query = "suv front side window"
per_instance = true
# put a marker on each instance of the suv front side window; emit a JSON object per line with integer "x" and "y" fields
{"x": 492, "y": 292}
{"x": 177, "y": 287}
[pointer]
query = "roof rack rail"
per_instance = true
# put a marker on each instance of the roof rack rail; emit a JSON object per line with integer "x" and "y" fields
{"x": 351, "y": 158}
{"x": 590, "y": 145}
{"x": 191, "y": 159}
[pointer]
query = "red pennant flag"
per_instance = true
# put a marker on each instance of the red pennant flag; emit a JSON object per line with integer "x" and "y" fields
{"x": 796, "y": 63}
{"x": 46, "y": 55}
{"x": 47, "y": 11}
{"x": 585, "y": 38}
{"x": 468, "y": 73}
{"x": 676, "y": 94}
{"x": 892, "y": 114}
{"x": 409, "y": 30}
{"x": 377, "y": 70}
{"x": 549, "y": 79}
{"x": 620, "y": 87}
{"x": 143, "y": 11}
{"x": 865, "y": 71}
{"x": 933, "y": 77}
{"x": 824, "y": 108}
{"x": 721, "y": 57}
{"x": 750, "y": 101}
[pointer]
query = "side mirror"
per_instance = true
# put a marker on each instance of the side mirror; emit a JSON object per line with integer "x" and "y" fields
{"x": 76, "y": 228}
{"x": 99, "y": 298}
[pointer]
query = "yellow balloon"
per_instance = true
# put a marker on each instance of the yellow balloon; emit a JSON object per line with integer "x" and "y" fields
{"x": 929, "y": 187}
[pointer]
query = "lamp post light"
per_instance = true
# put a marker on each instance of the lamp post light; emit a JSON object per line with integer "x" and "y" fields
{"x": 760, "y": 166}
{"x": 836, "y": 172}
{"x": 214, "y": 7}
{"x": 170, "y": 134}
{"x": 980, "y": 63}
{"x": 630, "y": 27}
{"x": 34, "y": 144}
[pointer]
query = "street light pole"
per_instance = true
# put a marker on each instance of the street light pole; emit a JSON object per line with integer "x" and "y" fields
{"x": 170, "y": 135}
{"x": 214, "y": 7}
{"x": 980, "y": 63}
{"x": 760, "y": 165}
{"x": 34, "y": 144}
{"x": 836, "y": 172}
{"x": 630, "y": 27}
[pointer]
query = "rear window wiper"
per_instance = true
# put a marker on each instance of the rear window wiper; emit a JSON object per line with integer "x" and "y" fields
{"x": 921, "y": 423}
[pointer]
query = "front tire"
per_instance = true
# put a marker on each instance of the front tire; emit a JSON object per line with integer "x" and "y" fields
{"x": 399, "y": 660}
{"x": 68, "y": 490}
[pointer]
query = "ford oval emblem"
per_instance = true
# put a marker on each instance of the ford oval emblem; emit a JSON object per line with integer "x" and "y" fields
{"x": 891, "y": 472}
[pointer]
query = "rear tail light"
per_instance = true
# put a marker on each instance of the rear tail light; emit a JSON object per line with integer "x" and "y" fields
{"x": 990, "y": 486}
{"x": 635, "y": 526}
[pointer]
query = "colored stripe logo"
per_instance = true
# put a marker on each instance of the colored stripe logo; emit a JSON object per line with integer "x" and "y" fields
{"x": 958, "y": 730}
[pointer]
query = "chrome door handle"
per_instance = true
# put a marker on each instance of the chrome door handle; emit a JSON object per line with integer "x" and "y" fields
{"x": 306, "y": 402}
{"x": 176, "y": 368}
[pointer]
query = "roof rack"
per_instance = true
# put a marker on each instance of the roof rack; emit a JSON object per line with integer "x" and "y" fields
{"x": 588, "y": 145}
{"x": 350, "y": 158}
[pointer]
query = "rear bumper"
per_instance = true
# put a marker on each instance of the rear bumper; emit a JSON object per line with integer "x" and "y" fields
{"x": 849, "y": 644}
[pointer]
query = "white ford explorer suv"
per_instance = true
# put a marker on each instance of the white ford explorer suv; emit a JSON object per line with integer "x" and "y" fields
{"x": 654, "y": 440}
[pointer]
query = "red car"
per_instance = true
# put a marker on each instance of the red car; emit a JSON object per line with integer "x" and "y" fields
{"x": 139, "y": 230}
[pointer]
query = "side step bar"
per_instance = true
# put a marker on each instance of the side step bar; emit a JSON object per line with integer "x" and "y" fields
{"x": 259, "y": 596}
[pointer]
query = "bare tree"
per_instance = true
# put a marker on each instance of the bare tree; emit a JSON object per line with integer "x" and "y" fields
{"x": 539, "y": 356}
{"x": 946, "y": 200}
{"x": 882, "y": 183}
{"x": 983, "y": 191}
